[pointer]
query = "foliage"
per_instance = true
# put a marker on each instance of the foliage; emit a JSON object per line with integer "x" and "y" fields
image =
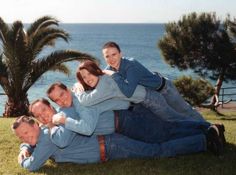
{"x": 202, "y": 163}
{"x": 194, "y": 91}
{"x": 21, "y": 61}
{"x": 202, "y": 43}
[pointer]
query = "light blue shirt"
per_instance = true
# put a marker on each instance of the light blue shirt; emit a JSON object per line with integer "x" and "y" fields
{"x": 108, "y": 89}
{"x": 84, "y": 120}
{"x": 80, "y": 150}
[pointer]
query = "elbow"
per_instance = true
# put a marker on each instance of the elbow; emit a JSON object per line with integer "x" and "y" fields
{"x": 84, "y": 103}
{"x": 62, "y": 145}
{"x": 128, "y": 94}
{"x": 90, "y": 131}
{"x": 31, "y": 168}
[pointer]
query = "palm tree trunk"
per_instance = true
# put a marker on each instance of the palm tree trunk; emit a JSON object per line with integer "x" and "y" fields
{"x": 15, "y": 107}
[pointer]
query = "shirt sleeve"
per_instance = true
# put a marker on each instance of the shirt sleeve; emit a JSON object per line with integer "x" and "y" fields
{"x": 112, "y": 104}
{"x": 61, "y": 136}
{"x": 104, "y": 90}
{"x": 129, "y": 83}
{"x": 39, "y": 156}
{"x": 85, "y": 121}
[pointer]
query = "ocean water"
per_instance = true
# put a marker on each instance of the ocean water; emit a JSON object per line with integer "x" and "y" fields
{"x": 136, "y": 40}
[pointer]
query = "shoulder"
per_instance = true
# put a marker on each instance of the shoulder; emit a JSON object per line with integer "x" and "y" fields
{"x": 130, "y": 61}
{"x": 105, "y": 78}
{"x": 45, "y": 130}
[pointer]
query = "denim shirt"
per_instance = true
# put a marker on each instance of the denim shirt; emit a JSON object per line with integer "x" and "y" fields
{"x": 85, "y": 120}
{"x": 131, "y": 73}
{"x": 106, "y": 89}
{"x": 80, "y": 150}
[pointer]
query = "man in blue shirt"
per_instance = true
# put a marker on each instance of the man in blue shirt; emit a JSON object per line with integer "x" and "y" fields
{"x": 140, "y": 124}
{"x": 38, "y": 146}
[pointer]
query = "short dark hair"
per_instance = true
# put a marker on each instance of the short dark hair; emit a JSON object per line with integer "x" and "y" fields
{"x": 111, "y": 44}
{"x": 42, "y": 100}
{"x": 21, "y": 119}
{"x": 56, "y": 84}
{"x": 92, "y": 68}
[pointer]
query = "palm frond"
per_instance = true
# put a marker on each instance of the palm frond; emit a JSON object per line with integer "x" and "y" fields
{"x": 40, "y": 23}
{"x": 48, "y": 62}
{"x": 3, "y": 30}
{"x": 61, "y": 68}
{"x": 46, "y": 37}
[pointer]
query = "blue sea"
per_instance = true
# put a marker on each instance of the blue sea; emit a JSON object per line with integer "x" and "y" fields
{"x": 136, "y": 40}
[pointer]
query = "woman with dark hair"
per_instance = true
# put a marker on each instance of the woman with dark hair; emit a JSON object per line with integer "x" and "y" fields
{"x": 100, "y": 87}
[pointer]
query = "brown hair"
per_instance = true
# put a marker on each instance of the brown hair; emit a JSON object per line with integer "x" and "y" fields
{"x": 92, "y": 68}
{"x": 111, "y": 44}
{"x": 52, "y": 87}
{"x": 42, "y": 100}
{"x": 21, "y": 119}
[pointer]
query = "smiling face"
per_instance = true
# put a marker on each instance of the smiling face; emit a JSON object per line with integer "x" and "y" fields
{"x": 112, "y": 57}
{"x": 28, "y": 133}
{"x": 61, "y": 96}
{"x": 90, "y": 79}
{"x": 43, "y": 112}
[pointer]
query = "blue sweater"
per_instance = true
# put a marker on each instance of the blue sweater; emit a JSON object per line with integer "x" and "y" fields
{"x": 106, "y": 89}
{"x": 131, "y": 73}
{"x": 80, "y": 150}
{"x": 84, "y": 120}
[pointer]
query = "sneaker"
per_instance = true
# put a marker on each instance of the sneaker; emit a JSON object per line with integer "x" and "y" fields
{"x": 221, "y": 129}
{"x": 214, "y": 143}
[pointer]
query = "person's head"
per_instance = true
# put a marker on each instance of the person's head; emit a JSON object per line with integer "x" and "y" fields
{"x": 60, "y": 94}
{"x": 112, "y": 54}
{"x": 26, "y": 129}
{"x": 42, "y": 110}
{"x": 88, "y": 74}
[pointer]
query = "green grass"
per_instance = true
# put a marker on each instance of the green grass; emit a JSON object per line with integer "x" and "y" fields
{"x": 197, "y": 164}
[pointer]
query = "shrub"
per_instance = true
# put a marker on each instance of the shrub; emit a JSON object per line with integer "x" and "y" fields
{"x": 194, "y": 91}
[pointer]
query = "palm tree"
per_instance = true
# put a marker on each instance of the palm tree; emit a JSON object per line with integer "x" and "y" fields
{"x": 21, "y": 64}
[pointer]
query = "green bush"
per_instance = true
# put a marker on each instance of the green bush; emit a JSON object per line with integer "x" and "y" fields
{"x": 194, "y": 91}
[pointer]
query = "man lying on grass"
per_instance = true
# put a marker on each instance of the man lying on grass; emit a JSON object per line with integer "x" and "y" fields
{"x": 38, "y": 146}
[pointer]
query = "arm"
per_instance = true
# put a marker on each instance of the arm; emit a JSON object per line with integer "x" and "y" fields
{"x": 61, "y": 136}
{"x": 39, "y": 156}
{"x": 84, "y": 119}
{"x": 112, "y": 104}
{"x": 105, "y": 89}
{"x": 129, "y": 83}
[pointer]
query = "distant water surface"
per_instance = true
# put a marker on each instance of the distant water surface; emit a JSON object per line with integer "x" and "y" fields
{"x": 136, "y": 40}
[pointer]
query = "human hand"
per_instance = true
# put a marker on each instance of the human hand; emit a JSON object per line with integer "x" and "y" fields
{"x": 77, "y": 88}
{"x": 108, "y": 72}
{"x": 58, "y": 119}
{"x": 22, "y": 155}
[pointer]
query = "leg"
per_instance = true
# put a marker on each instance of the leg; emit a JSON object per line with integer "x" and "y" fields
{"x": 143, "y": 125}
{"x": 118, "y": 146}
{"x": 176, "y": 101}
{"x": 158, "y": 105}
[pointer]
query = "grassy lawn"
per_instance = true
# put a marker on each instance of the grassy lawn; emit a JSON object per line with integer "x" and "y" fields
{"x": 197, "y": 164}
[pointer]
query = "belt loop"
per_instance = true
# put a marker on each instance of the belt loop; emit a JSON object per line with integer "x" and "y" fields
{"x": 101, "y": 141}
{"x": 163, "y": 83}
{"x": 116, "y": 121}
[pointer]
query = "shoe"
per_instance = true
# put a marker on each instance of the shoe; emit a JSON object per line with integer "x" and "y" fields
{"x": 214, "y": 142}
{"x": 221, "y": 129}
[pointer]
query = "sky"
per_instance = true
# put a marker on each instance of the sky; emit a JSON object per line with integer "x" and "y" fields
{"x": 112, "y": 11}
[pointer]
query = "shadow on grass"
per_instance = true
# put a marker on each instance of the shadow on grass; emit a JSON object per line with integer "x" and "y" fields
{"x": 202, "y": 163}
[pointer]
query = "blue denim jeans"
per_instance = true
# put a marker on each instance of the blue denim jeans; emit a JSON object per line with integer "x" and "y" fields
{"x": 118, "y": 146}
{"x": 176, "y": 101}
{"x": 141, "y": 124}
{"x": 155, "y": 102}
